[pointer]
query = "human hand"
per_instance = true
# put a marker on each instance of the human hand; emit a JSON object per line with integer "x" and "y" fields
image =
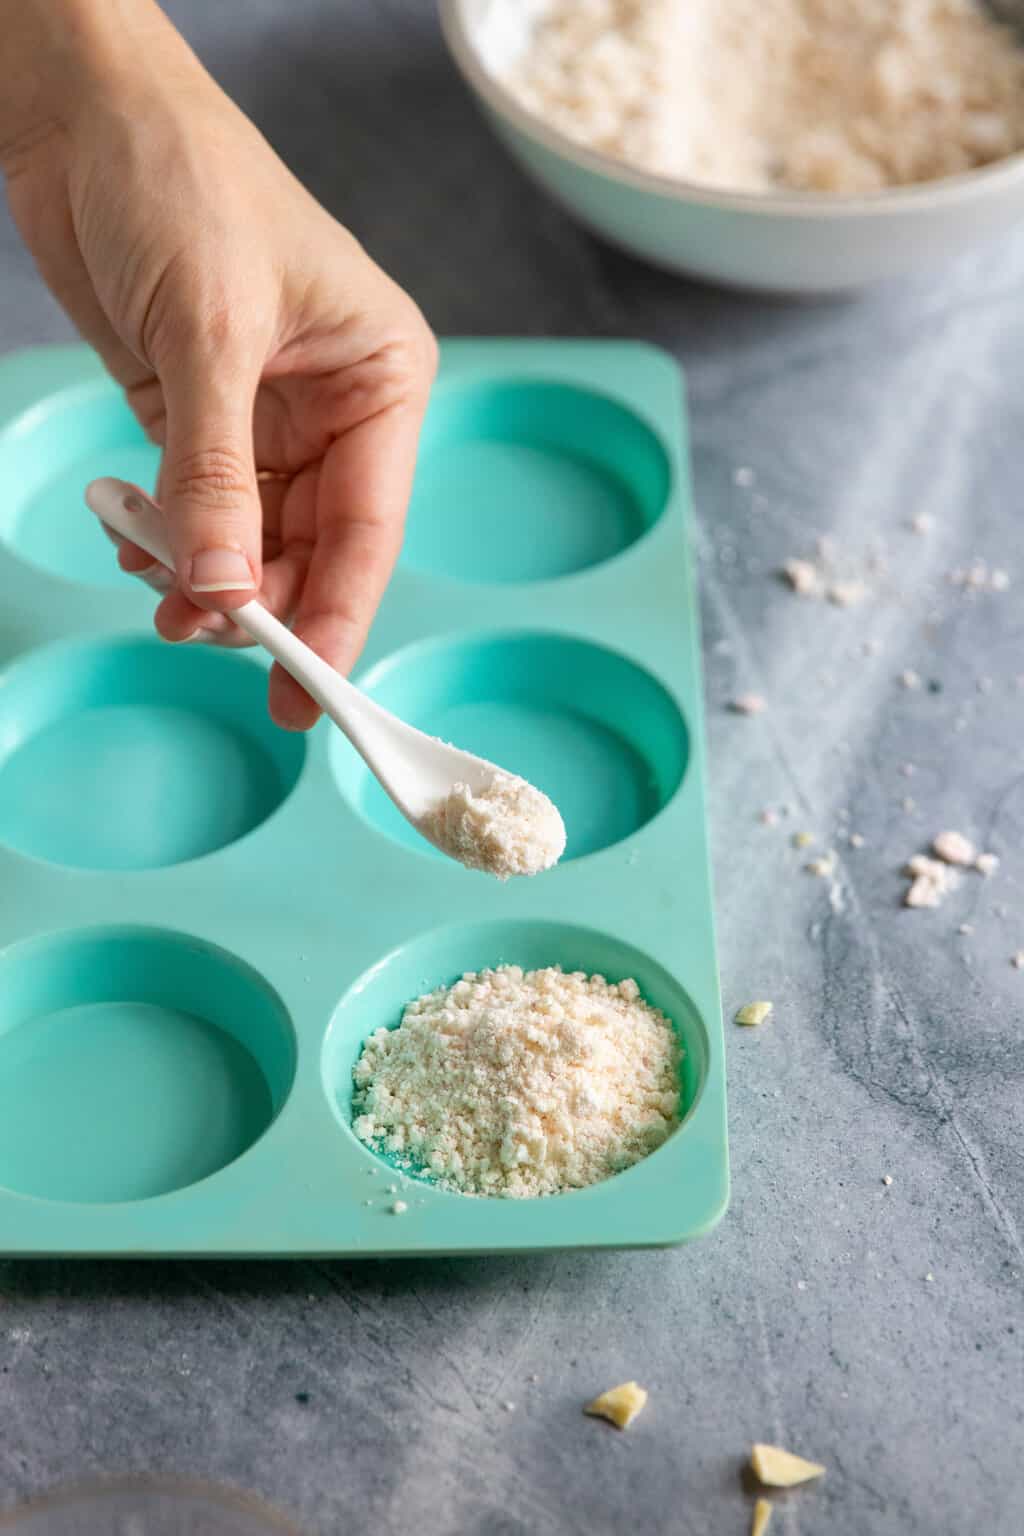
{"x": 282, "y": 373}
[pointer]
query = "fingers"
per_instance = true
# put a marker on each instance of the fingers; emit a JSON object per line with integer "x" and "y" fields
{"x": 362, "y": 494}
{"x": 208, "y": 478}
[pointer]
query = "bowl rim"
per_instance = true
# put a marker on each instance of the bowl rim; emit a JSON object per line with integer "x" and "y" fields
{"x": 945, "y": 192}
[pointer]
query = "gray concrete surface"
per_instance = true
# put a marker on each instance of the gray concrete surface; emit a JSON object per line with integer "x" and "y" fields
{"x": 876, "y": 1328}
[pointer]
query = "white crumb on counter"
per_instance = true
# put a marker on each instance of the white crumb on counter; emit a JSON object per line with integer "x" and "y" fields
{"x": 749, "y": 704}
{"x": 802, "y": 576}
{"x": 505, "y": 828}
{"x": 986, "y": 864}
{"x": 822, "y": 867}
{"x": 619, "y": 1405}
{"x": 910, "y": 679}
{"x": 753, "y": 1013}
{"x": 855, "y": 840}
{"x": 847, "y": 594}
{"x": 931, "y": 881}
{"x": 1017, "y": 960}
{"x": 768, "y": 817}
{"x": 399, "y": 1208}
{"x": 954, "y": 848}
{"x": 887, "y": 1179}
{"x": 743, "y": 476}
{"x": 922, "y": 523}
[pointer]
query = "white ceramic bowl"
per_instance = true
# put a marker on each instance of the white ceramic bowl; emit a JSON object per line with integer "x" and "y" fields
{"x": 776, "y": 242}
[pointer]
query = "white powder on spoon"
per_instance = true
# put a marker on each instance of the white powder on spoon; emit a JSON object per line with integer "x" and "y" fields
{"x": 506, "y": 828}
{"x": 521, "y": 1083}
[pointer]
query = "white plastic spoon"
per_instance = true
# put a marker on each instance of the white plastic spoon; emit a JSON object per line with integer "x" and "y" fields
{"x": 467, "y": 807}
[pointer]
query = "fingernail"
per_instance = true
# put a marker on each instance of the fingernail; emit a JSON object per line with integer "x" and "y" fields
{"x": 197, "y": 634}
{"x": 220, "y": 570}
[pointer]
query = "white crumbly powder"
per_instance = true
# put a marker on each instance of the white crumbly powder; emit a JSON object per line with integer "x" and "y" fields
{"x": 954, "y": 848}
{"x": 520, "y": 1083}
{"x": 931, "y": 881}
{"x": 505, "y": 828}
{"x": 749, "y": 704}
{"x": 824, "y": 96}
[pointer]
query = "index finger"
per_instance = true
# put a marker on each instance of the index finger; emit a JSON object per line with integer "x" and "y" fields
{"x": 363, "y": 492}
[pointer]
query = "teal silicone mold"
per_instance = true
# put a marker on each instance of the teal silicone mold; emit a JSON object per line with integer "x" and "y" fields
{"x": 202, "y": 918}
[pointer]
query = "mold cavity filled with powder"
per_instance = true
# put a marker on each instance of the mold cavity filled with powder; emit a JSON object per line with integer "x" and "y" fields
{"x": 504, "y": 828}
{"x": 519, "y": 1083}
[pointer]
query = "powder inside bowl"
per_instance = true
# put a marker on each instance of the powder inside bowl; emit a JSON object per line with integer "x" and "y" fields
{"x": 520, "y": 1083}
{"x": 756, "y": 95}
{"x": 504, "y": 828}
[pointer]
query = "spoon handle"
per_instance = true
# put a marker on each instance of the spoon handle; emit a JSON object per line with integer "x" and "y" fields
{"x": 132, "y": 514}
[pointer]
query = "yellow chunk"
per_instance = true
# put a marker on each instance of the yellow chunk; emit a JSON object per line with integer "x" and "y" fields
{"x": 619, "y": 1405}
{"x": 753, "y": 1013}
{"x": 777, "y": 1468}
{"x": 762, "y": 1515}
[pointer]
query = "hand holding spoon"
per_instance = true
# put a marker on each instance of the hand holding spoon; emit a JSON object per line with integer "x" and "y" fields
{"x": 467, "y": 807}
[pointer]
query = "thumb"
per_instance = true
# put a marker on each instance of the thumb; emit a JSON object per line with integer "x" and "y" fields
{"x": 208, "y": 481}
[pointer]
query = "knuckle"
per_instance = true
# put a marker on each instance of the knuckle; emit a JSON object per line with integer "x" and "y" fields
{"x": 209, "y": 477}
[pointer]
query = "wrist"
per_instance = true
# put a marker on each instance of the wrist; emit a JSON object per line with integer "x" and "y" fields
{"x": 68, "y": 56}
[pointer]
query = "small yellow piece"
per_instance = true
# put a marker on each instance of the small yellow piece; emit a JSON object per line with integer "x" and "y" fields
{"x": 619, "y": 1405}
{"x": 762, "y": 1515}
{"x": 802, "y": 839}
{"x": 777, "y": 1468}
{"x": 753, "y": 1013}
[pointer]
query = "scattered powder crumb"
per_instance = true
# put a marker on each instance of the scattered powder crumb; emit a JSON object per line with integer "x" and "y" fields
{"x": 796, "y": 93}
{"x": 534, "y": 1377}
{"x": 966, "y": 928}
{"x": 509, "y": 1407}
{"x": 836, "y": 897}
{"x": 768, "y": 817}
{"x": 1017, "y": 960}
{"x": 762, "y": 1515}
{"x": 856, "y": 840}
{"x": 753, "y": 1013}
{"x": 887, "y": 1179}
{"x": 399, "y": 1208}
{"x": 505, "y": 828}
{"x": 908, "y": 804}
{"x": 870, "y": 647}
{"x": 801, "y": 1285}
{"x": 847, "y": 594}
{"x": 978, "y": 578}
{"x": 954, "y": 848}
{"x": 802, "y": 840}
{"x": 1000, "y": 910}
{"x": 929, "y": 1277}
{"x": 931, "y": 881}
{"x": 908, "y": 770}
{"x": 392, "y": 1189}
{"x": 777, "y": 1468}
{"x": 749, "y": 704}
{"x": 802, "y": 577}
{"x": 986, "y": 864}
{"x": 619, "y": 1405}
{"x": 910, "y": 679}
{"x": 984, "y": 685}
{"x": 922, "y": 523}
{"x": 518, "y": 1084}
{"x": 743, "y": 476}
{"x": 822, "y": 867}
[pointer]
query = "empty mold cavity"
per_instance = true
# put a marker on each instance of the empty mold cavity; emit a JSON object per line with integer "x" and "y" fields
{"x": 437, "y": 959}
{"x": 47, "y": 457}
{"x": 137, "y": 755}
{"x": 529, "y": 481}
{"x": 590, "y": 728}
{"x": 133, "y": 1063}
